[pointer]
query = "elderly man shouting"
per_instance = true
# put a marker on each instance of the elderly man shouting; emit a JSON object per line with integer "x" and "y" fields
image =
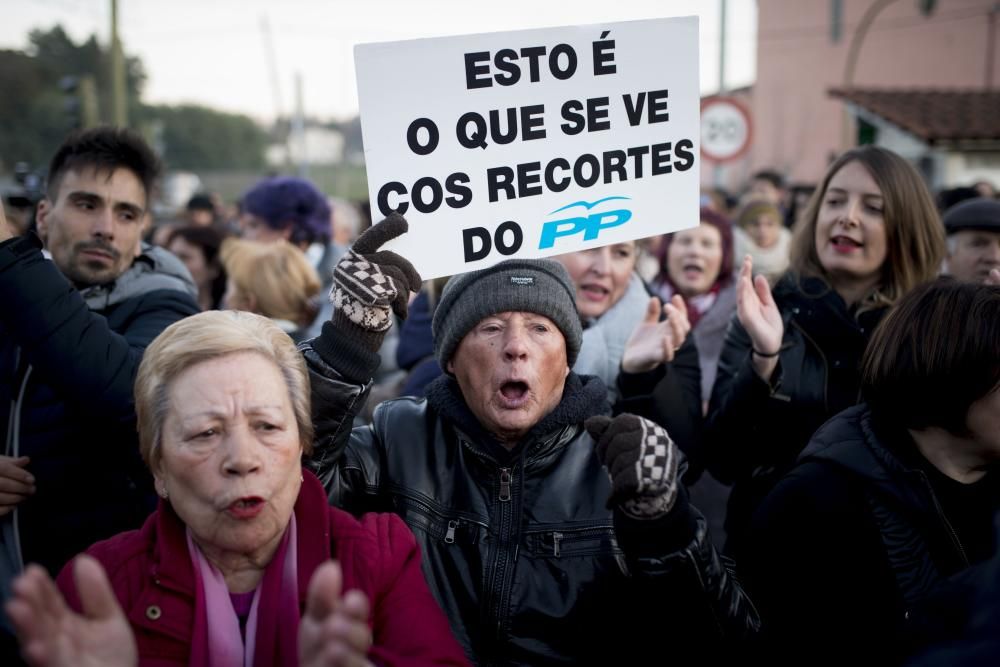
{"x": 551, "y": 533}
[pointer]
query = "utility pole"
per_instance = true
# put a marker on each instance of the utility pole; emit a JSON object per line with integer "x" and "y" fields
{"x": 299, "y": 128}
{"x": 119, "y": 103}
{"x": 272, "y": 66}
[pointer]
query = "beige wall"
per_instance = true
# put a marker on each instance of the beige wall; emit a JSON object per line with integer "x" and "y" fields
{"x": 797, "y": 127}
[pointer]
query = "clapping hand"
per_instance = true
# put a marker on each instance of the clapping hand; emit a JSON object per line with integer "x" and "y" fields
{"x": 334, "y": 630}
{"x": 654, "y": 342}
{"x": 761, "y": 318}
{"x": 53, "y": 635}
{"x": 993, "y": 278}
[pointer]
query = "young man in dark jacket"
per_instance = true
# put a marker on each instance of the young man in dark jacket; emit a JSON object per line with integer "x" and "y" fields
{"x": 72, "y": 333}
{"x": 550, "y": 533}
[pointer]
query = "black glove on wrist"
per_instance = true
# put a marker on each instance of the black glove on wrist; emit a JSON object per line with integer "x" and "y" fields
{"x": 369, "y": 283}
{"x": 641, "y": 460}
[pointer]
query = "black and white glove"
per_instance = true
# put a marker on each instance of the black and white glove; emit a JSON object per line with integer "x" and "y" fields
{"x": 370, "y": 284}
{"x": 641, "y": 460}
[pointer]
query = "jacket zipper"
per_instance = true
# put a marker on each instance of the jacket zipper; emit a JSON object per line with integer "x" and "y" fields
{"x": 504, "y": 552}
{"x": 826, "y": 365}
{"x": 426, "y": 510}
{"x": 13, "y": 449}
{"x": 944, "y": 519}
{"x": 559, "y": 538}
{"x": 505, "y": 485}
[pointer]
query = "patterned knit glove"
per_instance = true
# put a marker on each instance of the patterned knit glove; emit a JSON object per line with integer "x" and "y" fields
{"x": 369, "y": 283}
{"x": 642, "y": 463}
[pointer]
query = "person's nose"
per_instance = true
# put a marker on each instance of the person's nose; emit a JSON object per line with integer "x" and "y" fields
{"x": 600, "y": 262}
{"x": 515, "y": 343}
{"x": 992, "y": 253}
{"x": 104, "y": 224}
{"x": 241, "y": 456}
{"x": 852, "y": 214}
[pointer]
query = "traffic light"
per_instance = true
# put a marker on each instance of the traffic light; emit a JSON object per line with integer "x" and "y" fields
{"x": 79, "y": 100}
{"x": 70, "y": 86}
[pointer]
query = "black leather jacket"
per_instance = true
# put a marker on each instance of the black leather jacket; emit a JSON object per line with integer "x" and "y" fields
{"x": 518, "y": 547}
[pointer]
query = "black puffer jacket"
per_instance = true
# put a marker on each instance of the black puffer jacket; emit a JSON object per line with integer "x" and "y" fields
{"x": 865, "y": 546}
{"x": 755, "y": 429}
{"x": 68, "y": 360}
{"x": 518, "y": 547}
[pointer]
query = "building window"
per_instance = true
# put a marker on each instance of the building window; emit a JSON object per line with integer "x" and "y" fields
{"x": 867, "y": 133}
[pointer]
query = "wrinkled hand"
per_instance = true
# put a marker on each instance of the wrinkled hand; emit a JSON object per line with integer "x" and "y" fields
{"x": 16, "y": 483}
{"x": 53, "y": 635}
{"x": 654, "y": 342}
{"x": 334, "y": 629}
{"x": 641, "y": 460}
{"x": 368, "y": 283}
{"x": 993, "y": 278}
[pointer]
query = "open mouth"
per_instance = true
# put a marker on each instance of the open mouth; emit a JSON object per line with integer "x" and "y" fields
{"x": 246, "y": 508}
{"x": 692, "y": 271}
{"x": 594, "y": 292}
{"x": 845, "y": 244}
{"x": 514, "y": 393}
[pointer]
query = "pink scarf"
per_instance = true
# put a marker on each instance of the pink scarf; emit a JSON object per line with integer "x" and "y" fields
{"x": 273, "y": 625}
{"x": 696, "y": 305}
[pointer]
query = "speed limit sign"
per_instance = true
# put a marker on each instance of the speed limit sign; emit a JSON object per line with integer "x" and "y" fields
{"x": 725, "y": 129}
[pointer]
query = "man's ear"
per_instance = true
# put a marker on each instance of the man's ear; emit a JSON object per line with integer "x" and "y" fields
{"x": 451, "y": 367}
{"x": 42, "y": 218}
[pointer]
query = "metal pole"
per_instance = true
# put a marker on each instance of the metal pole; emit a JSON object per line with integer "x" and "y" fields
{"x": 119, "y": 103}
{"x": 272, "y": 66}
{"x": 717, "y": 175}
{"x": 299, "y": 127}
{"x": 722, "y": 48}
{"x": 991, "y": 40}
{"x": 853, "y": 51}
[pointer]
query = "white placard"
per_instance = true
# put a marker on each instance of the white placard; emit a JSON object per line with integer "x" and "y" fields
{"x": 532, "y": 143}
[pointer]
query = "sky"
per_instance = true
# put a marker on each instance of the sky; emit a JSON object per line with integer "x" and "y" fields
{"x": 245, "y": 55}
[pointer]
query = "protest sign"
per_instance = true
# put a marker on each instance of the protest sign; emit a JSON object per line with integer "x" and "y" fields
{"x": 532, "y": 143}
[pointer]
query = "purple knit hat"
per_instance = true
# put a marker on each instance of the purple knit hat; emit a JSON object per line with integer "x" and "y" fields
{"x": 281, "y": 201}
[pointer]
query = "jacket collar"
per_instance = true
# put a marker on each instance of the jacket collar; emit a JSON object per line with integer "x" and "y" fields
{"x": 583, "y": 396}
{"x": 882, "y": 457}
{"x": 154, "y": 269}
{"x": 172, "y": 567}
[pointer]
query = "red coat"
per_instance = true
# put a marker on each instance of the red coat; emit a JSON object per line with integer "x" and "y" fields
{"x": 152, "y": 576}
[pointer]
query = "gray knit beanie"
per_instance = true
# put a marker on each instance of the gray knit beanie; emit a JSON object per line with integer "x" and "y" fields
{"x": 539, "y": 286}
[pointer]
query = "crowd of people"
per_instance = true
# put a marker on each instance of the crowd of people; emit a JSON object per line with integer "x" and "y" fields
{"x": 248, "y": 440}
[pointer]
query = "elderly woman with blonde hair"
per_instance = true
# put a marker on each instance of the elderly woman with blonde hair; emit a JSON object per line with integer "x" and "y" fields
{"x": 243, "y": 562}
{"x": 274, "y": 280}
